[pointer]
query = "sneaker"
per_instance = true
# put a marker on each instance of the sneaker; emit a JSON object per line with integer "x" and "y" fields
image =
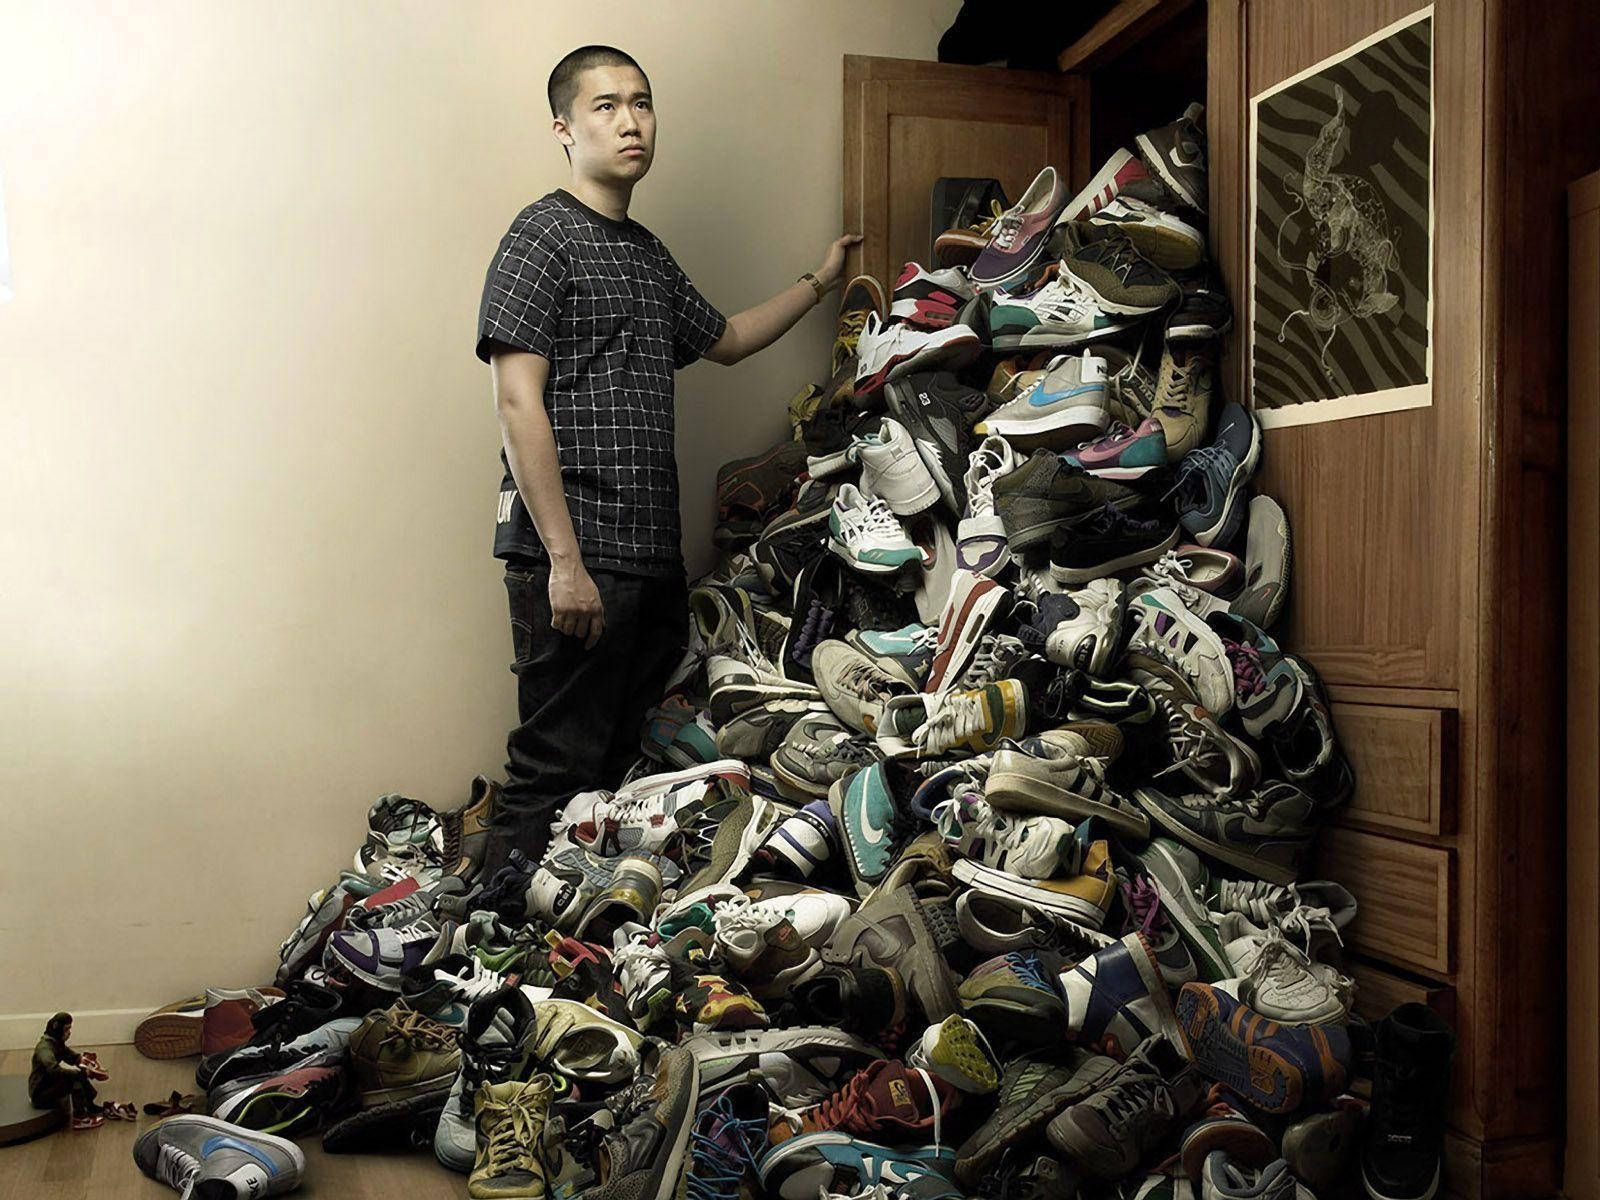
{"x": 1203, "y": 577}
{"x": 1265, "y": 832}
{"x": 645, "y": 1158}
{"x": 1165, "y": 634}
{"x": 864, "y": 532}
{"x": 272, "y": 1058}
{"x": 1405, "y": 1139}
{"x": 888, "y": 353}
{"x": 854, "y": 686}
{"x": 868, "y": 1001}
{"x": 1117, "y": 998}
{"x": 1167, "y": 241}
{"x": 466, "y": 830}
{"x": 1123, "y": 454}
{"x": 928, "y": 299}
{"x": 937, "y": 410}
{"x": 1197, "y": 743}
{"x": 174, "y": 1030}
{"x": 751, "y": 491}
{"x": 495, "y": 1048}
{"x": 212, "y": 1159}
{"x": 981, "y": 545}
{"x": 738, "y": 684}
{"x": 1183, "y": 884}
{"x": 893, "y": 470}
{"x": 632, "y": 896}
{"x": 1067, "y": 400}
{"x": 445, "y": 989}
{"x": 326, "y": 911}
{"x": 976, "y": 720}
{"x": 304, "y": 1007}
{"x": 228, "y": 1019}
{"x": 802, "y": 845}
{"x": 1031, "y": 1091}
{"x": 1283, "y": 983}
{"x": 379, "y": 957}
{"x": 1080, "y": 629}
{"x": 1120, "y": 279}
{"x": 897, "y": 929}
{"x": 1084, "y": 898}
{"x": 1133, "y": 1111}
{"x": 1176, "y": 154}
{"x": 1267, "y": 557}
{"x": 289, "y": 1102}
{"x": 905, "y": 653}
{"x": 1121, "y": 169}
{"x": 961, "y": 245}
{"x": 1182, "y": 400}
{"x": 1211, "y": 480}
{"x": 1048, "y": 773}
{"x": 1019, "y": 236}
{"x": 1276, "y": 1068}
{"x": 1017, "y": 994}
{"x": 1111, "y": 540}
{"x": 1224, "y": 1176}
{"x": 993, "y": 924}
{"x": 885, "y": 1100}
{"x": 797, "y": 1169}
{"x": 871, "y": 823}
{"x": 1056, "y": 313}
{"x": 1321, "y": 1148}
{"x": 756, "y": 733}
{"x": 707, "y": 1001}
{"x": 863, "y": 295}
{"x": 798, "y": 1066}
{"x": 975, "y": 601}
{"x": 818, "y": 753}
{"x": 956, "y": 1051}
{"x": 730, "y": 1135}
{"x": 1203, "y": 313}
{"x": 398, "y": 1054}
{"x": 1044, "y": 493}
{"x": 1032, "y": 847}
{"x": 795, "y": 537}
{"x": 509, "y": 1120}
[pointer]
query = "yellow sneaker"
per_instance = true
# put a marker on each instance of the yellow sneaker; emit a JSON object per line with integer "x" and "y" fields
{"x": 510, "y": 1121}
{"x": 862, "y": 295}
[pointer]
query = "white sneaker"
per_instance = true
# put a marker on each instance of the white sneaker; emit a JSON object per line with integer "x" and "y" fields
{"x": 974, "y": 602}
{"x": 1056, "y": 314}
{"x": 865, "y": 533}
{"x": 981, "y": 544}
{"x": 892, "y": 470}
{"x": 915, "y": 301}
{"x": 1081, "y": 628}
{"x": 1178, "y": 570}
{"x": 1165, "y": 631}
{"x": 1070, "y": 397}
{"x": 1030, "y": 847}
{"x": 938, "y": 568}
{"x": 885, "y": 353}
{"x": 814, "y": 913}
{"x": 1283, "y": 984}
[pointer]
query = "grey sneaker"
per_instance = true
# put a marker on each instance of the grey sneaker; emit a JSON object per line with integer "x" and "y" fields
{"x": 900, "y": 930}
{"x": 494, "y": 1049}
{"x": 1031, "y": 1091}
{"x": 755, "y": 733}
{"x": 644, "y": 1159}
{"x": 1131, "y": 1112}
{"x": 1268, "y": 555}
{"x": 1043, "y": 494}
{"x": 1213, "y": 759}
{"x": 1226, "y": 1178}
{"x": 1183, "y": 884}
{"x": 1211, "y": 480}
{"x": 213, "y": 1160}
{"x": 1182, "y": 400}
{"x": 1265, "y": 832}
{"x": 1048, "y": 774}
{"x": 818, "y": 752}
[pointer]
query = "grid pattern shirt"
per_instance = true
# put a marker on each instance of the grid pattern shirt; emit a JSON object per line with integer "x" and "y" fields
{"x": 608, "y": 306}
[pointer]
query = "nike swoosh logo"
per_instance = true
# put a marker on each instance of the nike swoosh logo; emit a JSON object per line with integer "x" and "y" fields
{"x": 223, "y": 1142}
{"x": 1041, "y": 397}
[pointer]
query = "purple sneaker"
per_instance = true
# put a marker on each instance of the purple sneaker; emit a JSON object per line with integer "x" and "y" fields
{"x": 381, "y": 956}
{"x": 1124, "y": 453}
{"x": 802, "y": 845}
{"x": 1019, "y": 234}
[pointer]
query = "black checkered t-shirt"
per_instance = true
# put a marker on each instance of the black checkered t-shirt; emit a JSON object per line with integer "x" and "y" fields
{"x": 605, "y": 302}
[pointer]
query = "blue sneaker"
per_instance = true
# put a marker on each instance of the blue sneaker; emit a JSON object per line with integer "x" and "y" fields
{"x": 870, "y": 824}
{"x": 1277, "y": 1068}
{"x": 802, "y": 1166}
{"x": 904, "y": 653}
{"x": 1211, "y": 480}
{"x": 209, "y": 1158}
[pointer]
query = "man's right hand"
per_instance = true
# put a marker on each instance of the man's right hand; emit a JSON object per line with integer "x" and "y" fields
{"x": 575, "y": 607}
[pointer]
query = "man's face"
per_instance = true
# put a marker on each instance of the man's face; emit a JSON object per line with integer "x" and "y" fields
{"x": 612, "y": 125}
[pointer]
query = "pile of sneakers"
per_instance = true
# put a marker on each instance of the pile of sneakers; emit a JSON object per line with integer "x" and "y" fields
{"x": 964, "y": 857}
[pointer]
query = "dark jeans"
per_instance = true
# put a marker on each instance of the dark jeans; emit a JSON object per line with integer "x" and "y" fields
{"x": 582, "y": 711}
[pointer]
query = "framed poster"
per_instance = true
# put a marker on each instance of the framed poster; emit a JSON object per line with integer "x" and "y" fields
{"x": 1341, "y": 233}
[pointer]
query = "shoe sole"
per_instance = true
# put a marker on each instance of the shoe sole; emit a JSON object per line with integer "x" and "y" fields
{"x": 1234, "y": 508}
{"x": 1088, "y": 416}
{"x": 872, "y": 568}
{"x": 1241, "y": 1141}
{"x": 1165, "y": 247}
{"x": 1134, "y": 558}
{"x": 950, "y": 354}
{"x": 1012, "y": 792}
{"x": 1045, "y": 337}
{"x": 1251, "y": 864}
{"x": 795, "y": 788}
{"x": 1197, "y": 332}
{"x": 168, "y": 1035}
{"x": 351, "y": 1134}
{"x": 438, "y": 1085}
{"x": 959, "y": 1058}
{"x": 1375, "y": 1193}
{"x": 1259, "y": 1074}
{"x": 1006, "y": 886}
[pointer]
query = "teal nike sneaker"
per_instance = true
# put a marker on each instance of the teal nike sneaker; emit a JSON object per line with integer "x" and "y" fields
{"x": 871, "y": 825}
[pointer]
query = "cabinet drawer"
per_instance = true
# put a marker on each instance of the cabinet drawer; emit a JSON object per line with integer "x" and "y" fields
{"x": 1380, "y": 992}
{"x": 1403, "y": 893}
{"x": 1402, "y": 761}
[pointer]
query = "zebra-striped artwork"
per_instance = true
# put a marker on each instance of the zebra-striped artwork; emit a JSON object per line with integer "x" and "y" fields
{"x": 1341, "y": 289}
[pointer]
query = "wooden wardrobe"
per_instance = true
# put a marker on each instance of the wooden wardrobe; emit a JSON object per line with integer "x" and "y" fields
{"x": 1429, "y": 544}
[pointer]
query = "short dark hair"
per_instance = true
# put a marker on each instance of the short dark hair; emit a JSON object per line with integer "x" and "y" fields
{"x": 563, "y": 87}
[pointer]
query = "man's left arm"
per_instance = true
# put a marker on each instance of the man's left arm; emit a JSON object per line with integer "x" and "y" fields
{"x": 757, "y": 328}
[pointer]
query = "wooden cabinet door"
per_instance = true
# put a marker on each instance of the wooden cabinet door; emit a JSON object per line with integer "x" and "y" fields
{"x": 908, "y": 123}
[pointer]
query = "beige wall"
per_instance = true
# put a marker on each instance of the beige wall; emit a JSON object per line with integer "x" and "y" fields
{"x": 247, "y": 458}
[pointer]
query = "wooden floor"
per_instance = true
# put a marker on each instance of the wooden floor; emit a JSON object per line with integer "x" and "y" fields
{"x": 98, "y": 1165}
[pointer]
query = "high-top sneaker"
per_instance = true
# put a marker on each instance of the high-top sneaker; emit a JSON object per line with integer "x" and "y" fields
{"x": 510, "y": 1120}
{"x": 304, "y": 1007}
{"x": 1400, "y": 1160}
{"x": 928, "y": 299}
{"x": 1183, "y": 395}
{"x": 494, "y": 1049}
{"x": 228, "y": 1016}
{"x": 1117, "y": 998}
{"x": 467, "y": 829}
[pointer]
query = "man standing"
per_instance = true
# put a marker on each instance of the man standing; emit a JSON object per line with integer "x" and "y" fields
{"x": 585, "y": 317}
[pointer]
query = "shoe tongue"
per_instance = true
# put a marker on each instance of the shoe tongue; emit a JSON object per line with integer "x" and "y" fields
{"x": 898, "y": 1093}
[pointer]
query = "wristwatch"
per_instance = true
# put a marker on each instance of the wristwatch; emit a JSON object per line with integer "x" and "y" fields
{"x": 816, "y": 283}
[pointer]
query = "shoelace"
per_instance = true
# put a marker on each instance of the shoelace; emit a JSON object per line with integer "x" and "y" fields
{"x": 640, "y": 967}
{"x": 839, "y": 1110}
{"x": 1144, "y": 904}
{"x": 1134, "y": 1095}
{"x": 517, "y": 1126}
{"x": 992, "y": 459}
{"x": 985, "y": 224}
{"x": 1117, "y": 432}
{"x": 422, "y": 1033}
{"x": 740, "y": 913}
{"x": 840, "y": 746}
{"x": 1006, "y": 227}
{"x": 1264, "y": 903}
{"x": 815, "y": 628}
{"x": 875, "y": 517}
{"x": 992, "y": 661}
{"x": 1120, "y": 257}
{"x": 863, "y": 678}
{"x": 959, "y": 716}
{"x": 722, "y": 1156}
{"x": 176, "y": 1168}
{"x": 1308, "y": 922}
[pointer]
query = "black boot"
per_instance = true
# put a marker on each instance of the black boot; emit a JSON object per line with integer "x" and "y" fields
{"x": 1410, "y": 1080}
